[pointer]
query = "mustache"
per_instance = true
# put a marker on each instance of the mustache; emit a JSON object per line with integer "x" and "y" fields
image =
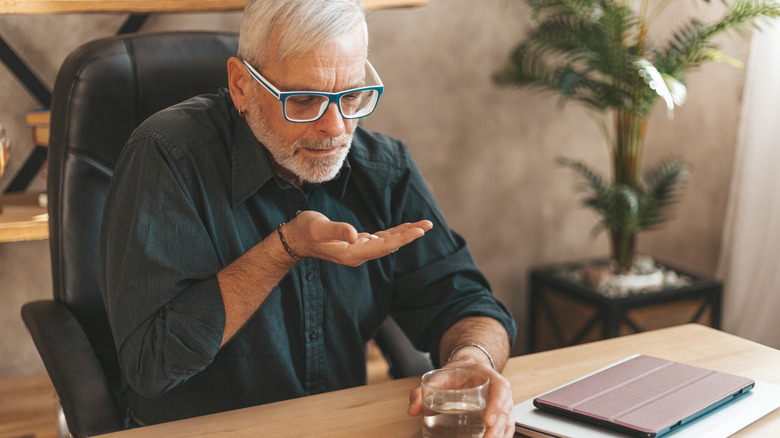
{"x": 341, "y": 141}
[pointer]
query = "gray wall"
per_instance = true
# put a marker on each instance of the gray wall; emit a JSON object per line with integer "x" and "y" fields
{"x": 488, "y": 153}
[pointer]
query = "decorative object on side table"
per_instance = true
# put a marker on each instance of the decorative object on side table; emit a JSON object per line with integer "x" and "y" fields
{"x": 598, "y": 53}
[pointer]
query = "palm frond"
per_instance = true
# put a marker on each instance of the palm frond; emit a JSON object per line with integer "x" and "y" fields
{"x": 581, "y": 86}
{"x": 616, "y": 205}
{"x": 543, "y": 9}
{"x": 663, "y": 186}
{"x": 744, "y": 15}
{"x": 559, "y": 34}
{"x": 576, "y": 52}
{"x": 607, "y": 41}
{"x": 691, "y": 45}
{"x": 626, "y": 209}
{"x": 526, "y": 67}
{"x": 590, "y": 179}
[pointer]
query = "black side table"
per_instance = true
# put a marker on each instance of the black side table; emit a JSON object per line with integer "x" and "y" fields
{"x": 564, "y": 311}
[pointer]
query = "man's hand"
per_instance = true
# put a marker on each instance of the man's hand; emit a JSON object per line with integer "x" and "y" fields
{"x": 499, "y": 415}
{"x": 311, "y": 234}
{"x": 246, "y": 283}
{"x": 457, "y": 346}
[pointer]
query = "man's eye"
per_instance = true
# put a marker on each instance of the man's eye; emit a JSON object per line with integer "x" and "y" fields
{"x": 304, "y": 100}
{"x": 352, "y": 96}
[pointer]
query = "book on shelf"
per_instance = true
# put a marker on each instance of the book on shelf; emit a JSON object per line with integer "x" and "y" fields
{"x": 38, "y": 117}
{"x": 39, "y": 121}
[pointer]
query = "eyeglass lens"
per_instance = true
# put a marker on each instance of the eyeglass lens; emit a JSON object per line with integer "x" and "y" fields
{"x": 303, "y": 107}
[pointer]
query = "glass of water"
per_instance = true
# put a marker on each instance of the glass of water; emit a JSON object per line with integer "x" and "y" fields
{"x": 454, "y": 402}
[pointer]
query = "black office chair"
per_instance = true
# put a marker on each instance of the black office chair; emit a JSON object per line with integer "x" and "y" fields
{"x": 102, "y": 92}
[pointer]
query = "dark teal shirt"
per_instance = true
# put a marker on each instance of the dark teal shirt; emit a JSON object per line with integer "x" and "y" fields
{"x": 192, "y": 192}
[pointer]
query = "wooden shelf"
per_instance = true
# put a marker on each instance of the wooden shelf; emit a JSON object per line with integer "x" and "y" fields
{"x": 144, "y": 6}
{"x": 22, "y": 218}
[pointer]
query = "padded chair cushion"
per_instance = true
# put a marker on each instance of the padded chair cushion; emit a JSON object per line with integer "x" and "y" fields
{"x": 78, "y": 378}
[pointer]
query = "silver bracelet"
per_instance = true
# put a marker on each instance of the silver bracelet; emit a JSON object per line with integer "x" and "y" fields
{"x": 490, "y": 358}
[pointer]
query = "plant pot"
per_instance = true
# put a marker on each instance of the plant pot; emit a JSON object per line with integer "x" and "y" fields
{"x": 650, "y": 280}
{"x": 644, "y": 276}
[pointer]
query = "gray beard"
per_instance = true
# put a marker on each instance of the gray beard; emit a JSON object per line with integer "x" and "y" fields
{"x": 311, "y": 170}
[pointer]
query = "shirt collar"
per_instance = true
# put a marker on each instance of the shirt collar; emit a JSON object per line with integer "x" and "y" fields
{"x": 252, "y": 167}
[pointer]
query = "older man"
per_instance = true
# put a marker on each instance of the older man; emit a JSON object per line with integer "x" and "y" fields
{"x": 253, "y": 240}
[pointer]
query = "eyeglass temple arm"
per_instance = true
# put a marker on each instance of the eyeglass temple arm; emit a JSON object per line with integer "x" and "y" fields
{"x": 262, "y": 80}
{"x": 374, "y": 74}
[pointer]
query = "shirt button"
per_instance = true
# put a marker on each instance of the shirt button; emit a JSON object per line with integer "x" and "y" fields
{"x": 313, "y": 336}
{"x": 310, "y": 276}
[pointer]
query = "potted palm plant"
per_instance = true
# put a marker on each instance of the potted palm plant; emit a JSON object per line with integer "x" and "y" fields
{"x": 598, "y": 53}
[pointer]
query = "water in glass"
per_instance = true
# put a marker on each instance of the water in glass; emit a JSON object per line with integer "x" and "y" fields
{"x": 450, "y": 419}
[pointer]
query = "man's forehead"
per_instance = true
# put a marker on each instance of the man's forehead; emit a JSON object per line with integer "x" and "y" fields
{"x": 327, "y": 60}
{"x": 334, "y": 65}
{"x": 321, "y": 68}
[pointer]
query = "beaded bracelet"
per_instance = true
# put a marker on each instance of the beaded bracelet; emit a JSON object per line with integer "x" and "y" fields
{"x": 490, "y": 358}
{"x": 284, "y": 243}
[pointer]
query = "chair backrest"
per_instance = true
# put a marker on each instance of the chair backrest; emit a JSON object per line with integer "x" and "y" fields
{"x": 103, "y": 91}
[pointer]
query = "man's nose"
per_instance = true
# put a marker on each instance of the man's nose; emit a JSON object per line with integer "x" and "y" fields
{"x": 331, "y": 123}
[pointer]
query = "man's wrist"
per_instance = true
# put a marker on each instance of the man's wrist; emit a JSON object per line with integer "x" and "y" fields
{"x": 286, "y": 246}
{"x": 483, "y": 350}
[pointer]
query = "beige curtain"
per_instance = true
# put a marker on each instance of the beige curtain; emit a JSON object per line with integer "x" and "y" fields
{"x": 750, "y": 259}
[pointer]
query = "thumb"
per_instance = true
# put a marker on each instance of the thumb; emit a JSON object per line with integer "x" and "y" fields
{"x": 336, "y": 231}
{"x": 415, "y": 403}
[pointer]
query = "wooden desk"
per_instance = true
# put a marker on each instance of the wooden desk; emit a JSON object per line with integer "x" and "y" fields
{"x": 22, "y": 218}
{"x": 380, "y": 409}
{"x": 146, "y": 6}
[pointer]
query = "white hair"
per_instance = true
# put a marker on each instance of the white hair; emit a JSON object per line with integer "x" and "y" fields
{"x": 295, "y": 27}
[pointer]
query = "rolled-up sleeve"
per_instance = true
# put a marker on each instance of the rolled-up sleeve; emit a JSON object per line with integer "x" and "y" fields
{"x": 157, "y": 272}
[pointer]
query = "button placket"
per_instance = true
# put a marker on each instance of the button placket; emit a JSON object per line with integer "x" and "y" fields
{"x": 313, "y": 302}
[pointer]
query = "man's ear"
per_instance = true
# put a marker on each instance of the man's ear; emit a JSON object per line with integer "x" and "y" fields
{"x": 238, "y": 83}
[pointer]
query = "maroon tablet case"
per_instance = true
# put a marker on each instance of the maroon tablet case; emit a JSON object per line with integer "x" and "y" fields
{"x": 645, "y": 396}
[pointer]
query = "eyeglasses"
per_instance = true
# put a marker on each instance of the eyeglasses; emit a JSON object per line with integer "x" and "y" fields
{"x": 308, "y": 106}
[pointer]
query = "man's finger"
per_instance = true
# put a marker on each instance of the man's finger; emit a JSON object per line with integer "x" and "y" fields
{"x": 415, "y": 403}
{"x": 500, "y": 392}
{"x": 339, "y": 231}
{"x": 399, "y": 236}
{"x": 424, "y": 225}
{"x": 505, "y": 424}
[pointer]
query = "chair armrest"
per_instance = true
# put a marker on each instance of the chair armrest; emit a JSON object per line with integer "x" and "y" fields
{"x": 87, "y": 400}
{"x": 404, "y": 360}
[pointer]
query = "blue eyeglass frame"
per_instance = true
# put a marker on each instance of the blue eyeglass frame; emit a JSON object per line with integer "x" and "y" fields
{"x": 282, "y": 96}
